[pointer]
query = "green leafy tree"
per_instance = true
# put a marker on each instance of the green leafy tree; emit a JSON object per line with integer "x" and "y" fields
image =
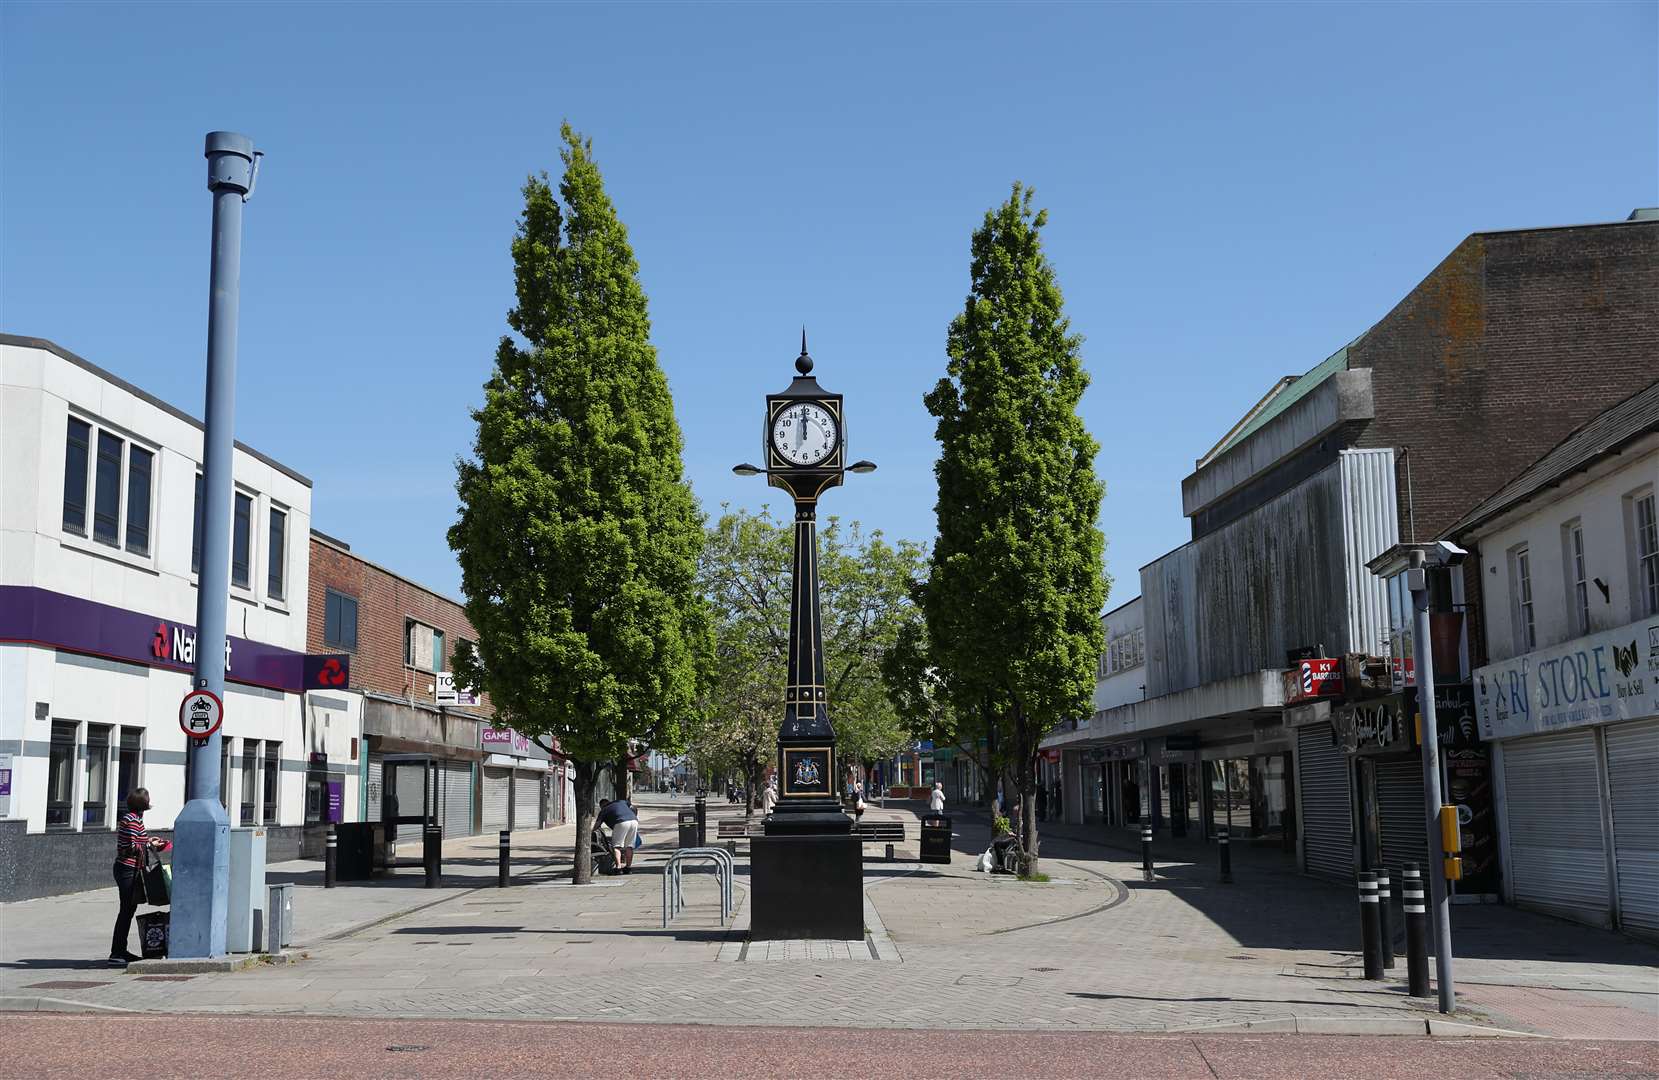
{"x": 1016, "y": 584}
{"x": 578, "y": 537}
{"x": 864, "y": 601}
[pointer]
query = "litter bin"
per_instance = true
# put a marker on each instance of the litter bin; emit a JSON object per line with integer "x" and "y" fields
{"x": 688, "y": 828}
{"x": 936, "y": 838}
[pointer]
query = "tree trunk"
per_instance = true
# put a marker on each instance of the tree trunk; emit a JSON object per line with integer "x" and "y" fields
{"x": 624, "y": 778}
{"x": 587, "y": 782}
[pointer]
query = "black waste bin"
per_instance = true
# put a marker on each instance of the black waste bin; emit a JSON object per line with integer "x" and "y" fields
{"x": 935, "y": 838}
{"x": 688, "y": 828}
{"x": 355, "y": 854}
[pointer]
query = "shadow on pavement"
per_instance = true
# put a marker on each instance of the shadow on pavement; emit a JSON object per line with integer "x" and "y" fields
{"x": 687, "y": 934}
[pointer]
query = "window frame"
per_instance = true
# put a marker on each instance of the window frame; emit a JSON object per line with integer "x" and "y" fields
{"x": 89, "y": 535}
{"x": 238, "y": 495}
{"x": 1522, "y": 605}
{"x": 63, "y": 809}
{"x": 1644, "y": 566}
{"x": 1574, "y": 565}
{"x": 270, "y": 782}
{"x": 248, "y": 796}
{"x": 95, "y": 789}
{"x": 337, "y": 598}
{"x": 276, "y": 555}
{"x": 136, "y": 734}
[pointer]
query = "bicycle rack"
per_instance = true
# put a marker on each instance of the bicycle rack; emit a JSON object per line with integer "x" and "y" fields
{"x": 673, "y": 882}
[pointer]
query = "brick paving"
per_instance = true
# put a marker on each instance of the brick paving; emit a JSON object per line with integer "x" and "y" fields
{"x": 1094, "y": 948}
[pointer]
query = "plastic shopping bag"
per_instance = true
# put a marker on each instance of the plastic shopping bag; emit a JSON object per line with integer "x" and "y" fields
{"x": 985, "y": 862}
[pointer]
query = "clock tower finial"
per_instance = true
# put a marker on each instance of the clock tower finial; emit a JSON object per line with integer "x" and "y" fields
{"x": 803, "y": 362}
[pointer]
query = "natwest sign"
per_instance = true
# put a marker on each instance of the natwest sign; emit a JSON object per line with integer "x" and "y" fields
{"x": 178, "y": 644}
{"x": 1320, "y": 677}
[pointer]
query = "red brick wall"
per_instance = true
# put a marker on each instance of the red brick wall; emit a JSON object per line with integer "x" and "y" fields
{"x": 384, "y": 602}
{"x": 1515, "y": 340}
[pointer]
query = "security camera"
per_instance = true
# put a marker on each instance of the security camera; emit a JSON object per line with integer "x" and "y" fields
{"x": 1446, "y": 553}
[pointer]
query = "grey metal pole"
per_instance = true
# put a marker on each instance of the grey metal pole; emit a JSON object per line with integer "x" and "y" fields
{"x": 201, "y": 861}
{"x": 1440, "y": 904}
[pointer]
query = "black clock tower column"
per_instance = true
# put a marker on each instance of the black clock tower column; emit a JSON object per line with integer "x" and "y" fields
{"x": 806, "y": 872}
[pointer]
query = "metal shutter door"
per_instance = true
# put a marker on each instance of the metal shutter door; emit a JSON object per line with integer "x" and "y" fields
{"x": 410, "y": 798}
{"x": 457, "y": 804}
{"x": 1633, "y": 781}
{"x": 527, "y": 800}
{"x": 1402, "y": 815}
{"x": 1327, "y": 814}
{"x": 1552, "y": 792}
{"x": 497, "y": 798}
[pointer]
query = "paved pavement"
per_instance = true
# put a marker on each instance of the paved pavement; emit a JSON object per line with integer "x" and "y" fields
{"x": 1093, "y": 948}
{"x": 41, "y": 1045}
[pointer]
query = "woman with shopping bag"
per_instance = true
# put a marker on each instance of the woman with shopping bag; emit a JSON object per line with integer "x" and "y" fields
{"x": 132, "y": 845}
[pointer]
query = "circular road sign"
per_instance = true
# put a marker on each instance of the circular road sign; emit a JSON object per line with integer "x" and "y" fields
{"x": 200, "y": 713}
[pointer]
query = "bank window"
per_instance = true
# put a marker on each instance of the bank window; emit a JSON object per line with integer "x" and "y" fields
{"x": 95, "y": 805}
{"x": 60, "y": 776}
{"x": 1646, "y": 529}
{"x": 274, "y": 578}
{"x": 1578, "y": 588}
{"x": 106, "y": 497}
{"x": 271, "y": 785}
{"x": 340, "y": 620}
{"x": 140, "y": 466}
{"x": 196, "y": 531}
{"x": 241, "y": 542}
{"x": 1520, "y": 581}
{"x": 76, "y": 448}
{"x": 127, "y": 763}
{"x": 250, "y": 779}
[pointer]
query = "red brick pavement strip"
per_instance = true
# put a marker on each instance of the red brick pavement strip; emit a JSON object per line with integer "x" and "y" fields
{"x": 157, "y": 1048}
{"x": 1562, "y": 1012}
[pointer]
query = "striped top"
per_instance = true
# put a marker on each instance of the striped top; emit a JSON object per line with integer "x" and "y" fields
{"x": 130, "y": 839}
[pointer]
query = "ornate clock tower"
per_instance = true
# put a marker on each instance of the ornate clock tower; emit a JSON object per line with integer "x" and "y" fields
{"x": 805, "y": 448}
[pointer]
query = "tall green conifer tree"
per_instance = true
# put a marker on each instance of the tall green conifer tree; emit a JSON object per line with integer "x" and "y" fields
{"x": 1016, "y": 584}
{"x": 578, "y": 536}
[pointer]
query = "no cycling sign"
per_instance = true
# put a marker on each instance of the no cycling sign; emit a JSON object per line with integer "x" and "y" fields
{"x": 200, "y": 713}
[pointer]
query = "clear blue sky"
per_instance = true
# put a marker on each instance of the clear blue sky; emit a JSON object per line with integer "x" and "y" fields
{"x": 1234, "y": 192}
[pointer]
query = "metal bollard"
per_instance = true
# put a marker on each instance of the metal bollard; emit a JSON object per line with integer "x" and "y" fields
{"x": 331, "y": 858}
{"x": 1368, "y": 925}
{"x": 1385, "y": 919}
{"x": 506, "y": 858}
{"x": 1417, "y": 932}
{"x": 702, "y": 806}
{"x": 432, "y": 837}
{"x": 1221, "y": 839}
{"x": 1146, "y": 852}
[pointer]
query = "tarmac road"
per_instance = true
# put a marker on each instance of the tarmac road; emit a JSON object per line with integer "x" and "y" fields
{"x": 40, "y": 1045}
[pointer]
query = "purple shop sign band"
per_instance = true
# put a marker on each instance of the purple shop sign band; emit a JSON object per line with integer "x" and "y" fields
{"x": 34, "y": 616}
{"x": 503, "y": 739}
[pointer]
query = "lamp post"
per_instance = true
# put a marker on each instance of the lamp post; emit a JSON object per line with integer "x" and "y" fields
{"x": 1423, "y": 653}
{"x": 201, "y": 861}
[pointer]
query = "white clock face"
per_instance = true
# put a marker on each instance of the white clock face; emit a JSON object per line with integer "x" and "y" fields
{"x": 804, "y": 434}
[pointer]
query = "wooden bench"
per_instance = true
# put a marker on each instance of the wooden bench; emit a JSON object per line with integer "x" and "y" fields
{"x": 868, "y": 832}
{"x": 737, "y": 830}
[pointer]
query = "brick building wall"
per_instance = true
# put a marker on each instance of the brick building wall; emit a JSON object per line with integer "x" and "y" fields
{"x": 385, "y": 603}
{"x": 1512, "y": 342}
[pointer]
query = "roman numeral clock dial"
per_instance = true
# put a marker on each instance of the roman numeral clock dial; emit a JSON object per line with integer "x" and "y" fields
{"x": 804, "y": 434}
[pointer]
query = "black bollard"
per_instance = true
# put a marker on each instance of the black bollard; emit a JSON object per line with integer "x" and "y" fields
{"x": 1385, "y": 918}
{"x": 506, "y": 858}
{"x": 432, "y": 837}
{"x": 1226, "y": 854}
{"x": 1146, "y": 852}
{"x": 331, "y": 858}
{"x": 1370, "y": 931}
{"x": 1417, "y": 931}
{"x": 702, "y": 821}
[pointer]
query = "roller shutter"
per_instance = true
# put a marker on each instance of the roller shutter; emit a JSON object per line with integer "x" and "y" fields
{"x": 1402, "y": 815}
{"x": 1322, "y": 782}
{"x": 497, "y": 798}
{"x": 527, "y": 800}
{"x": 1553, "y": 795}
{"x": 457, "y": 798}
{"x": 1633, "y": 783}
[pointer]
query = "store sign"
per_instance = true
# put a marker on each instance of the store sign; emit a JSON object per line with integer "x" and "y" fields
{"x": 1319, "y": 677}
{"x": 503, "y": 741}
{"x": 450, "y": 694}
{"x": 1385, "y": 725}
{"x": 1595, "y": 679}
{"x": 327, "y": 671}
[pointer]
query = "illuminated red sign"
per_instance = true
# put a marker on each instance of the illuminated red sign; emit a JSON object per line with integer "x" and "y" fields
{"x": 1312, "y": 679}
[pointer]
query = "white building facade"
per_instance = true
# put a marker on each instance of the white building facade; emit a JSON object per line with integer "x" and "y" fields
{"x": 1569, "y": 559}
{"x": 99, "y": 546}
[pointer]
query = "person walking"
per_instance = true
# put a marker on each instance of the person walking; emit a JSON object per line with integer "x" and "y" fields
{"x": 619, "y": 817}
{"x": 769, "y": 797}
{"x": 936, "y": 801}
{"x": 131, "y": 840}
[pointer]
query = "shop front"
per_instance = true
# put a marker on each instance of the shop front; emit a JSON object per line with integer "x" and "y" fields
{"x": 1112, "y": 783}
{"x": 1575, "y": 735}
{"x": 1247, "y": 788}
{"x": 514, "y": 774}
{"x": 400, "y": 726}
